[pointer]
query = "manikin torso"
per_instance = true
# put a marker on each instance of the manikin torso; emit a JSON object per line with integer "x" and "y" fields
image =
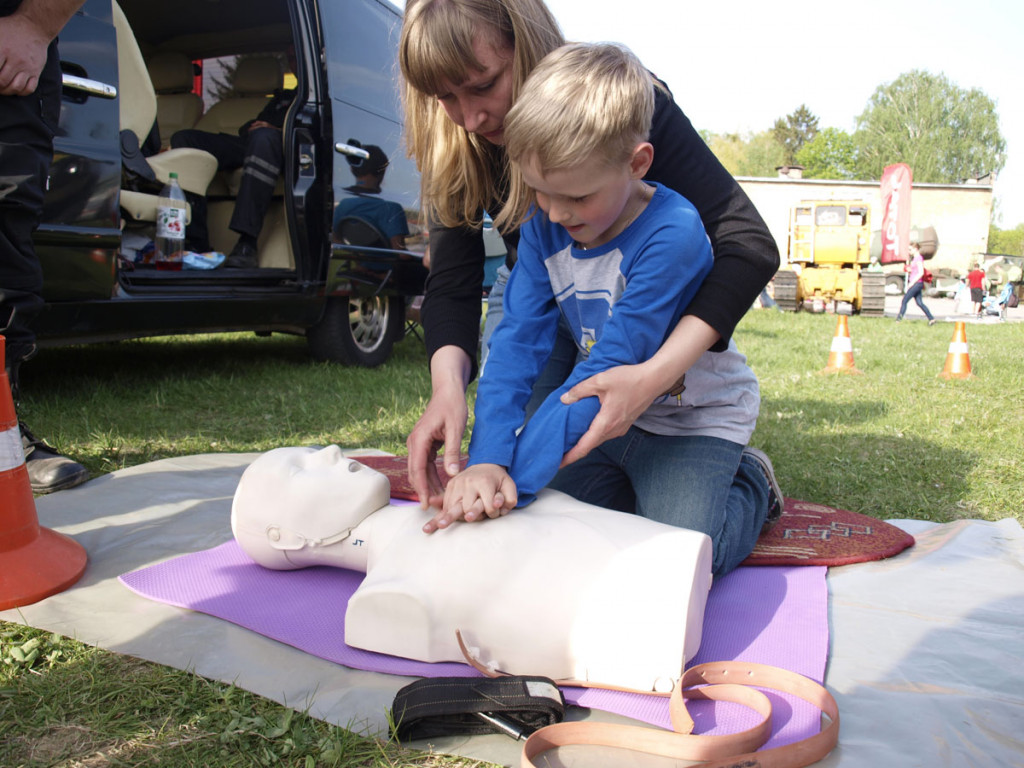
{"x": 558, "y": 588}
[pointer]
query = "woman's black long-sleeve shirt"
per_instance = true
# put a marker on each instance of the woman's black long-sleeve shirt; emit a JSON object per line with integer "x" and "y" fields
{"x": 746, "y": 256}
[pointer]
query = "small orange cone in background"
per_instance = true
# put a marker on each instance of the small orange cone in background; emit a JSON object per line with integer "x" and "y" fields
{"x": 35, "y": 562}
{"x": 958, "y": 361}
{"x": 840, "y": 358}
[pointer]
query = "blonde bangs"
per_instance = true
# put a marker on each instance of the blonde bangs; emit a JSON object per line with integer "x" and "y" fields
{"x": 460, "y": 173}
{"x": 436, "y": 46}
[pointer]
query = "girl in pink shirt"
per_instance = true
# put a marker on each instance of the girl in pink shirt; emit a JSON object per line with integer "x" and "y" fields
{"x": 915, "y": 284}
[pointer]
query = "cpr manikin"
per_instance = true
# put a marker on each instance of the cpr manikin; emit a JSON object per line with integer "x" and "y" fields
{"x": 557, "y": 588}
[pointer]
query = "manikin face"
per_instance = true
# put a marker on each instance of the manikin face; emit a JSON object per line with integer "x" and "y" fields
{"x": 293, "y": 500}
{"x": 594, "y": 201}
{"x": 480, "y": 102}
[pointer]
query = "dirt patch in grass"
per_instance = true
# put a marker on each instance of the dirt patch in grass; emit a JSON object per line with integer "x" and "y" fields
{"x": 57, "y": 743}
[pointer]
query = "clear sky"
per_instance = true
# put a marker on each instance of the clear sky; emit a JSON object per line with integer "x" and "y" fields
{"x": 736, "y": 66}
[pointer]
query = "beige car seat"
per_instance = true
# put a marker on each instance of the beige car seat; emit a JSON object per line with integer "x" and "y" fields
{"x": 255, "y": 79}
{"x": 137, "y": 97}
{"x": 177, "y": 107}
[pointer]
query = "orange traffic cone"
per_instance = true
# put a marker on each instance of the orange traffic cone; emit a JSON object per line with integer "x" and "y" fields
{"x": 840, "y": 358}
{"x": 958, "y": 361}
{"x": 35, "y": 562}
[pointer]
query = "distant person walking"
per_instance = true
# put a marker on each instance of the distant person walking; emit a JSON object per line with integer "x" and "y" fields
{"x": 915, "y": 284}
{"x": 976, "y": 282}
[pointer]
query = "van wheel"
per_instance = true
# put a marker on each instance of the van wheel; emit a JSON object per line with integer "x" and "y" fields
{"x": 358, "y": 330}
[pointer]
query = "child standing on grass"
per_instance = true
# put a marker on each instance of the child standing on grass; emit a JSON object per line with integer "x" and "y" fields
{"x": 619, "y": 259}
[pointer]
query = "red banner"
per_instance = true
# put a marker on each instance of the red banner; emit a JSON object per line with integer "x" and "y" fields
{"x": 896, "y": 182}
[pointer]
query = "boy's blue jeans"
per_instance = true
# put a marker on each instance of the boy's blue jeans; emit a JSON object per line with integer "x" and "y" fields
{"x": 696, "y": 482}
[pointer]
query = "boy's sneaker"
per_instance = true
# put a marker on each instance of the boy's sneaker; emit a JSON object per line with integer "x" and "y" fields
{"x": 774, "y": 492}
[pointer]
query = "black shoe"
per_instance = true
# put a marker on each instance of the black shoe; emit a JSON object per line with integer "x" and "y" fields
{"x": 243, "y": 256}
{"x": 774, "y": 491}
{"x": 49, "y": 471}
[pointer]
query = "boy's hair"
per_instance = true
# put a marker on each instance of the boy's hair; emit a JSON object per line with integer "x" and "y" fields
{"x": 583, "y": 100}
{"x": 457, "y": 168}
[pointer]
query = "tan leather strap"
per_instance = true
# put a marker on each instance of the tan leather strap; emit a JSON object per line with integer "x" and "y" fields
{"x": 724, "y": 681}
{"x": 734, "y": 681}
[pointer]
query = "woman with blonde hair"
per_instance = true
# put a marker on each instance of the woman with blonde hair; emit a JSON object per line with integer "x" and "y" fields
{"x": 464, "y": 63}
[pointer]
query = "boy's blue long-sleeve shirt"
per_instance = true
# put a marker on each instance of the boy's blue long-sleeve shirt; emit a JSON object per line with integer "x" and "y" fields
{"x": 620, "y": 300}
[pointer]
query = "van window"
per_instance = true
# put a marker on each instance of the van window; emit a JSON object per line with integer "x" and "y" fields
{"x": 361, "y": 37}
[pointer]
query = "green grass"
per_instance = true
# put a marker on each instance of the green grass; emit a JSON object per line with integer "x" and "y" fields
{"x": 72, "y": 706}
{"x": 117, "y": 405}
{"x": 897, "y": 441}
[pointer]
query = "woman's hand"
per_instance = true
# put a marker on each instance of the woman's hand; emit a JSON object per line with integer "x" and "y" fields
{"x": 442, "y": 424}
{"x": 625, "y": 392}
{"x": 628, "y": 390}
{"x": 478, "y": 492}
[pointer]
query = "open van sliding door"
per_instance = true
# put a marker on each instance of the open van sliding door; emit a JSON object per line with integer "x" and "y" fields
{"x": 367, "y": 281}
{"x": 79, "y": 237}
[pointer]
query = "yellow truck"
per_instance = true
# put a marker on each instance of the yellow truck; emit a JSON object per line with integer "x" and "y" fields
{"x": 829, "y": 264}
{"x": 828, "y": 258}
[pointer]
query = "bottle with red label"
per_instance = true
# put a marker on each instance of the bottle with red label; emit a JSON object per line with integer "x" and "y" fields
{"x": 170, "y": 226}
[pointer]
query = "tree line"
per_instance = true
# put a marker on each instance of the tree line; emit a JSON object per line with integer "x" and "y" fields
{"x": 945, "y": 133}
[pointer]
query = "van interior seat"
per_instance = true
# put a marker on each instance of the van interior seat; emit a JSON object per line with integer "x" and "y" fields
{"x": 137, "y": 98}
{"x": 177, "y": 106}
{"x": 254, "y": 80}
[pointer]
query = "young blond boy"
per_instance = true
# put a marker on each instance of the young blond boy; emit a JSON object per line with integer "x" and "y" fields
{"x": 619, "y": 259}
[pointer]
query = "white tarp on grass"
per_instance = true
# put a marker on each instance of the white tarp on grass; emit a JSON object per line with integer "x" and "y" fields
{"x": 926, "y": 658}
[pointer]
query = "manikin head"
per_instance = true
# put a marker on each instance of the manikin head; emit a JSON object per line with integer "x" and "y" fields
{"x": 295, "y": 506}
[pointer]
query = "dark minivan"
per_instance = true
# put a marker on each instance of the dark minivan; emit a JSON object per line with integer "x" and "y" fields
{"x": 127, "y": 61}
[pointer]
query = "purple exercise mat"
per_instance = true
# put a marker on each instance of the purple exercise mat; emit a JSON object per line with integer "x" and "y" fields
{"x": 770, "y": 615}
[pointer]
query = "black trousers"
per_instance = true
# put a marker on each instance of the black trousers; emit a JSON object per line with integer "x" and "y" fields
{"x": 261, "y": 156}
{"x": 27, "y": 125}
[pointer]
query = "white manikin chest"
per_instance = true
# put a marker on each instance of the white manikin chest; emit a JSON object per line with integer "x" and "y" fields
{"x": 559, "y": 588}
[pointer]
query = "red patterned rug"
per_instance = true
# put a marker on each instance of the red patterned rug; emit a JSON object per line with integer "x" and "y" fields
{"x": 396, "y": 468}
{"x": 813, "y": 534}
{"x": 806, "y": 534}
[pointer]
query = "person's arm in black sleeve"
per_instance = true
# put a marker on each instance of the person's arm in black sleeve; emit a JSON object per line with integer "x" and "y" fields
{"x": 452, "y": 299}
{"x": 746, "y": 256}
